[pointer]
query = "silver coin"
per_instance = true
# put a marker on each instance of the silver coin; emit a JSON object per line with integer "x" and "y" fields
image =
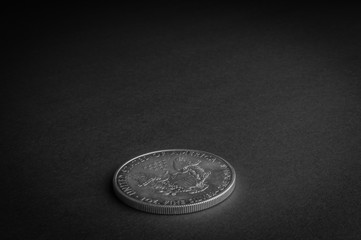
{"x": 175, "y": 181}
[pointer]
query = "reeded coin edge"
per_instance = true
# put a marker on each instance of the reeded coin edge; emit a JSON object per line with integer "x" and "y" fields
{"x": 174, "y": 209}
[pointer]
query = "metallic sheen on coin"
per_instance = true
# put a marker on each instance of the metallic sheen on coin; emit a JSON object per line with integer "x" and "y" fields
{"x": 175, "y": 181}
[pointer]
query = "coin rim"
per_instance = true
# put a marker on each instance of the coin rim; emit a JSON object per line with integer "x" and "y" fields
{"x": 173, "y": 209}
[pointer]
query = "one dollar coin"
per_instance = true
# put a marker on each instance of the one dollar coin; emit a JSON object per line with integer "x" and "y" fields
{"x": 174, "y": 181}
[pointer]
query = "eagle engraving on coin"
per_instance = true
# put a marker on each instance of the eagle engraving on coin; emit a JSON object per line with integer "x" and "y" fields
{"x": 185, "y": 176}
{"x": 174, "y": 181}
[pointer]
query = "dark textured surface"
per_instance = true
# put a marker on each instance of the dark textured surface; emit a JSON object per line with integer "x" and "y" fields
{"x": 276, "y": 93}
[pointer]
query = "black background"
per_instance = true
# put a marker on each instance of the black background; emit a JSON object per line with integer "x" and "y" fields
{"x": 275, "y": 90}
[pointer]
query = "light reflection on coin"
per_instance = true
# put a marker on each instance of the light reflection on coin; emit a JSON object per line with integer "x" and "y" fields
{"x": 174, "y": 181}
